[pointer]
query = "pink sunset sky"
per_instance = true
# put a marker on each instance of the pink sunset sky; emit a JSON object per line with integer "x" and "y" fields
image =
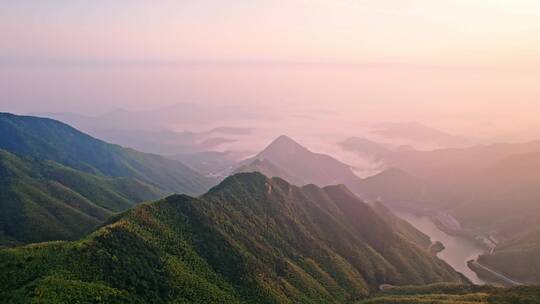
{"x": 467, "y": 66}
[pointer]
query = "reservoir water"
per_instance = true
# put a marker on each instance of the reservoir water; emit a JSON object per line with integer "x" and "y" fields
{"x": 458, "y": 250}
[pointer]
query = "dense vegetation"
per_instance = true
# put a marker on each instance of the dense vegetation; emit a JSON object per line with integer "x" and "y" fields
{"x": 456, "y": 294}
{"x": 401, "y": 226}
{"x": 43, "y": 200}
{"x": 248, "y": 240}
{"x": 52, "y": 140}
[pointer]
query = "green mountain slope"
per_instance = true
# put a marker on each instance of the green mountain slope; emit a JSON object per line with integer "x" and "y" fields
{"x": 250, "y": 239}
{"x": 52, "y": 140}
{"x": 401, "y": 226}
{"x": 43, "y": 200}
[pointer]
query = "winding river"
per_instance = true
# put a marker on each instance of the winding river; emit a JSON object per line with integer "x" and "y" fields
{"x": 458, "y": 250}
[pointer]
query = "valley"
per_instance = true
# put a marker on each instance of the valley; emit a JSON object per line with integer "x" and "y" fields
{"x": 458, "y": 250}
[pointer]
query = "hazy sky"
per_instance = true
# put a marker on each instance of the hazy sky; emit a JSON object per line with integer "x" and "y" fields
{"x": 409, "y": 31}
{"x": 463, "y": 65}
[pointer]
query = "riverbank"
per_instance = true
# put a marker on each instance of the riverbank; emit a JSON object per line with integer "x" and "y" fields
{"x": 482, "y": 245}
{"x": 449, "y": 224}
{"x": 492, "y": 276}
{"x": 457, "y": 250}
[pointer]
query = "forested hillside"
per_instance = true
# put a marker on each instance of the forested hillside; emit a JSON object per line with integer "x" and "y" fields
{"x": 250, "y": 239}
{"x": 43, "y": 200}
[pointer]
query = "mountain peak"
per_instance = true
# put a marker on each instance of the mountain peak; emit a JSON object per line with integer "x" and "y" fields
{"x": 284, "y": 140}
{"x": 284, "y": 145}
{"x": 298, "y": 165}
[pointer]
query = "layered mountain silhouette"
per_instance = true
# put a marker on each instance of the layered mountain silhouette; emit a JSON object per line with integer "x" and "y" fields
{"x": 492, "y": 191}
{"x": 251, "y": 239}
{"x": 366, "y": 148}
{"x": 288, "y": 159}
{"x": 216, "y": 164}
{"x": 419, "y": 133}
{"x": 152, "y": 130}
{"x": 293, "y": 162}
{"x": 394, "y": 186}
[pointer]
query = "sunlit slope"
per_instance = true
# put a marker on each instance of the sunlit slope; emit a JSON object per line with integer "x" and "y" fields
{"x": 250, "y": 239}
{"x": 43, "y": 200}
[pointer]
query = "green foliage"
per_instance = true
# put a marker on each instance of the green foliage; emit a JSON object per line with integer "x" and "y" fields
{"x": 456, "y": 294}
{"x": 249, "y": 240}
{"x": 431, "y": 299}
{"x": 517, "y": 295}
{"x": 43, "y": 200}
{"x": 52, "y": 140}
{"x": 55, "y": 289}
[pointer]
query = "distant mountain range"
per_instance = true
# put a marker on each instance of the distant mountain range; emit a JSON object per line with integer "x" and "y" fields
{"x": 414, "y": 132}
{"x": 250, "y": 239}
{"x": 366, "y": 148}
{"x": 491, "y": 190}
{"x": 214, "y": 164}
{"x": 287, "y": 159}
{"x": 154, "y": 131}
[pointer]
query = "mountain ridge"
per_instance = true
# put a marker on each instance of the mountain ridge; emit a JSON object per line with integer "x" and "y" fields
{"x": 248, "y": 239}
